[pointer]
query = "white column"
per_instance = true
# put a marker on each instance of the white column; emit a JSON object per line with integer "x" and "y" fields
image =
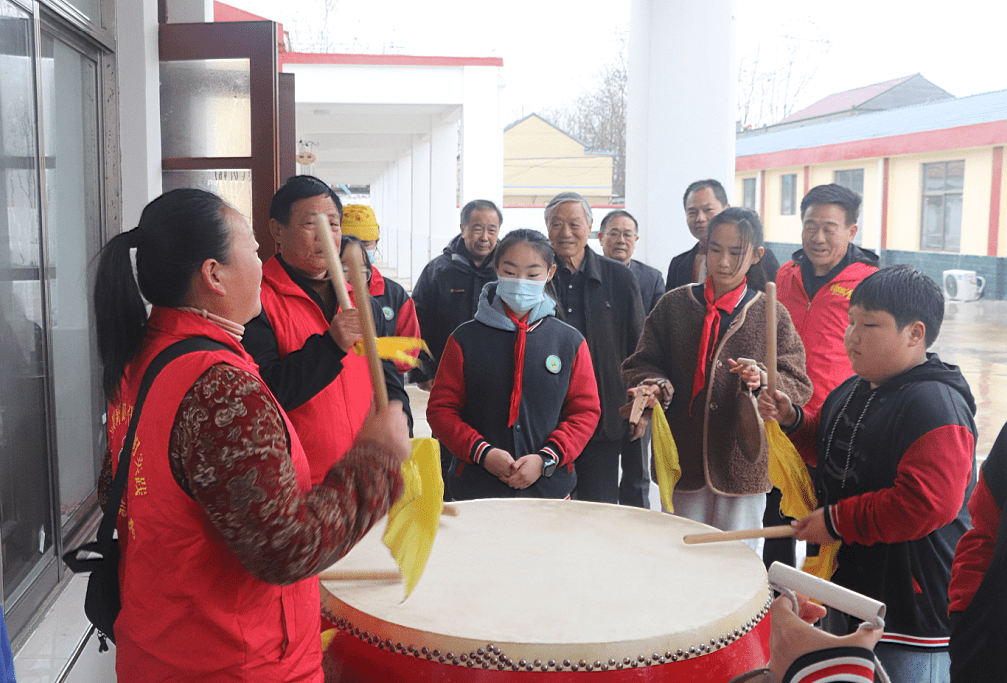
{"x": 681, "y": 115}
{"x": 386, "y": 198}
{"x": 444, "y": 209}
{"x": 139, "y": 106}
{"x": 482, "y": 136}
{"x": 189, "y": 11}
{"x": 404, "y": 215}
{"x": 420, "y": 236}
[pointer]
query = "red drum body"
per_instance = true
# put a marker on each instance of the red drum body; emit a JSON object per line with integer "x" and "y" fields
{"x": 554, "y": 592}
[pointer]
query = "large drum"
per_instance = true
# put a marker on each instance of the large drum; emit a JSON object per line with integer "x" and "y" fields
{"x": 554, "y": 591}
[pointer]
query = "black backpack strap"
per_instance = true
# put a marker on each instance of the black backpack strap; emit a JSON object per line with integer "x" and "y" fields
{"x": 114, "y": 499}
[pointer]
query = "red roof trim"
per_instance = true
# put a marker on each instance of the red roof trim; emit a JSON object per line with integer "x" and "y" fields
{"x": 386, "y": 60}
{"x": 960, "y": 137}
{"x": 224, "y": 12}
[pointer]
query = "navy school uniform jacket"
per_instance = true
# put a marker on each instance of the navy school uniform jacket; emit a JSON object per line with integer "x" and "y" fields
{"x": 900, "y": 507}
{"x": 470, "y": 402}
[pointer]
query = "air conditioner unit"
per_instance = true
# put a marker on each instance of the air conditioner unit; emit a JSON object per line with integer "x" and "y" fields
{"x": 963, "y": 285}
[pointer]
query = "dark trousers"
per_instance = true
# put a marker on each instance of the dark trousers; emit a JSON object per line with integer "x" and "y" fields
{"x": 782, "y": 550}
{"x": 634, "y": 487}
{"x": 598, "y": 472}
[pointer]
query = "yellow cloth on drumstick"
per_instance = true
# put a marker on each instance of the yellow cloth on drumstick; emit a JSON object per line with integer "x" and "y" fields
{"x": 414, "y": 518}
{"x": 399, "y": 349}
{"x": 824, "y": 564}
{"x": 788, "y": 473}
{"x": 669, "y": 471}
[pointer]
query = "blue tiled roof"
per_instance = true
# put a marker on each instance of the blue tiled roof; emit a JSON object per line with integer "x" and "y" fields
{"x": 965, "y": 111}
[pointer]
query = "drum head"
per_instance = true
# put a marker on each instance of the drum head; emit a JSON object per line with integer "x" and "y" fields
{"x": 555, "y": 580}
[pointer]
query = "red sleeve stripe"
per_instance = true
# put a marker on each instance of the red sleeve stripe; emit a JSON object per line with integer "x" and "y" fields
{"x": 480, "y": 452}
{"x": 552, "y": 451}
{"x": 916, "y": 641}
{"x": 845, "y": 670}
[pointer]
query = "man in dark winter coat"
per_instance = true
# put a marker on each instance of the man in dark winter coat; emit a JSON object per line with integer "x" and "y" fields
{"x": 601, "y": 298}
{"x": 618, "y": 235}
{"x": 447, "y": 292}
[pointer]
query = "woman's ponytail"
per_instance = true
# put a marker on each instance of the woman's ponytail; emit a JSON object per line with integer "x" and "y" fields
{"x": 120, "y": 313}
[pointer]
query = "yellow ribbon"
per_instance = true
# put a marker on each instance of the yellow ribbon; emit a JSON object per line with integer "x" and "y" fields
{"x": 415, "y": 517}
{"x": 669, "y": 471}
{"x": 399, "y": 349}
{"x": 788, "y": 473}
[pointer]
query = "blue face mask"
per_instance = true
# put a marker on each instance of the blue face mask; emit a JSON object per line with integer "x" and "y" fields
{"x": 370, "y": 254}
{"x": 520, "y": 295}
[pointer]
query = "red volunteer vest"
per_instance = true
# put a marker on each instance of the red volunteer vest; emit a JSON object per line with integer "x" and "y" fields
{"x": 190, "y": 611}
{"x": 328, "y": 423}
{"x": 821, "y": 324}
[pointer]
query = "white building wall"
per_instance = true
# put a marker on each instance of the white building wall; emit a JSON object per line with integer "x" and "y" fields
{"x": 482, "y": 136}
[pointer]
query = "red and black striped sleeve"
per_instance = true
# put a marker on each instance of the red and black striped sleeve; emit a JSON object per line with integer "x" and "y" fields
{"x": 927, "y": 493}
{"x": 835, "y": 664}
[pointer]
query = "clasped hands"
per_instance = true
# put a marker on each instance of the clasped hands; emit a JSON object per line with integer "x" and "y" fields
{"x": 518, "y": 474}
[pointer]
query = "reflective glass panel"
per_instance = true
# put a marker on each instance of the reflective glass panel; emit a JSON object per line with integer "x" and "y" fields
{"x": 206, "y": 109}
{"x": 25, "y": 502}
{"x": 234, "y": 185}
{"x": 952, "y": 222}
{"x": 70, "y": 119}
{"x": 933, "y": 215}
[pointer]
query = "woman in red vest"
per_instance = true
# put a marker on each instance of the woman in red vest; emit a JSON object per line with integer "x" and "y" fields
{"x": 220, "y": 529}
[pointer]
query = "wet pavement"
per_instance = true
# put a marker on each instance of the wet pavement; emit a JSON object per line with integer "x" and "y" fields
{"x": 974, "y": 337}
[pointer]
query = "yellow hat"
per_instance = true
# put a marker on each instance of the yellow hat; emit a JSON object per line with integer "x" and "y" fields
{"x": 359, "y": 222}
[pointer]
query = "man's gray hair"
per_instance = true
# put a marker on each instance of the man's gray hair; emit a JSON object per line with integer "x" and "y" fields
{"x": 564, "y": 198}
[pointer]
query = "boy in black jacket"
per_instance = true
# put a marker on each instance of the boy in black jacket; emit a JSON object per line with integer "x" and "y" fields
{"x": 896, "y": 461}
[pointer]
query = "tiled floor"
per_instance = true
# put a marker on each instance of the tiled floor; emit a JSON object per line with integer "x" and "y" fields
{"x": 47, "y": 655}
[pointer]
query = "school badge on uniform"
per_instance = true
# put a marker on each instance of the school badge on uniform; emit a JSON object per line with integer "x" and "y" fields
{"x": 389, "y": 313}
{"x": 553, "y": 364}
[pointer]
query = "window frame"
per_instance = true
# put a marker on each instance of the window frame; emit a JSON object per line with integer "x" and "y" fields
{"x": 943, "y": 193}
{"x": 788, "y": 198}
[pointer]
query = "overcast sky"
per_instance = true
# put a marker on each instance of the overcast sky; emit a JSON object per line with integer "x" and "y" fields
{"x": 552, "y": 49}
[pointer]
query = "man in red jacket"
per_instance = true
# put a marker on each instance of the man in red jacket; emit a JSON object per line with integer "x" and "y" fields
{"x": 815, "y": 286}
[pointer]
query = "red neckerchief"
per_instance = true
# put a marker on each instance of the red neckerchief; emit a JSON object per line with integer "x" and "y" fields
{"x": 711, "y": 327}
{"x": 519, "y": 344}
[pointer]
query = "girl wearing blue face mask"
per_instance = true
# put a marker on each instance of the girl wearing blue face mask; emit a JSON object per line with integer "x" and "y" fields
{"x": 515, "y": 398}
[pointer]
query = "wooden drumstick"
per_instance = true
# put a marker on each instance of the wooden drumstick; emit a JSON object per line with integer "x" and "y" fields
{"x": 771, "y": 335}
{"x": 356, "y": 257}
{"x": 332, "y": 260}
{"x": 360, "y": 575}
{"x": 739, "y": 535}
{"x": 639, "y": 405}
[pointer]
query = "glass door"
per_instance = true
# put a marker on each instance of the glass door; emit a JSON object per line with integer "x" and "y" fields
{"x": 70, "y": 124}
{"x": 26, "y": 525}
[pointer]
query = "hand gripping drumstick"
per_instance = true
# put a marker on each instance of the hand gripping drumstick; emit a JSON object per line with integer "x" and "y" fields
{"x": 367, "y": 322}
{"x": 359, "y": 286}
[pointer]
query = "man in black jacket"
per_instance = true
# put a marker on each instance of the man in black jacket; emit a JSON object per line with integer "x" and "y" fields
{"x": 600, "y": 298}
{"x": 447, "y": 291}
